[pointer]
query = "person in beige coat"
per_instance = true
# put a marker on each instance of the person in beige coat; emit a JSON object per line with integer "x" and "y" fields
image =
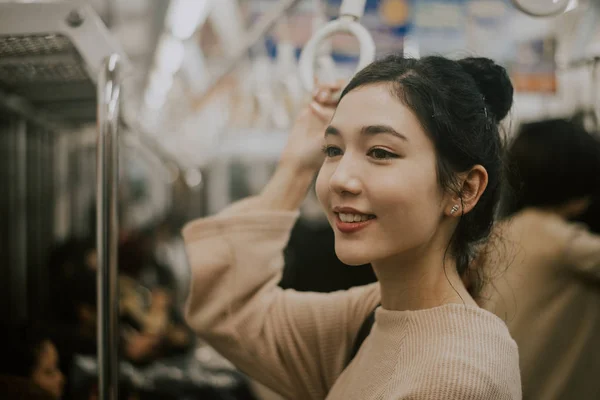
{"x": 409, "y": 170}
{"x": 547, "y": 284}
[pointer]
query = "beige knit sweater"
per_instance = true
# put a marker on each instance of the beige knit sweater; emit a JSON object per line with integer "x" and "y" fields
{"x": 298, "y": 344}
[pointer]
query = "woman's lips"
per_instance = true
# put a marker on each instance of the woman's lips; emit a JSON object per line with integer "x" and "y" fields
{"x": 352, "y": 227}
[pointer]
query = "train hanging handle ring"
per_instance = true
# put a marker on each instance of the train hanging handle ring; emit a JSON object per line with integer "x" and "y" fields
{"x": 351, "y": 11}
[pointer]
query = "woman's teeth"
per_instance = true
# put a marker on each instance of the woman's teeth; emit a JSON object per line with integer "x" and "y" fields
{"x": 354, "y": 217}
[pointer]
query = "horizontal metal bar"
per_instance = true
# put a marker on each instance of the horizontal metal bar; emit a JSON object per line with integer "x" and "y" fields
{"x": 68, "y": 58}
{"x": 584, "y": 62}
{"x": 23, "y": 107}
{"x": 134, "y": 129}
{"x": 258, "y": 30}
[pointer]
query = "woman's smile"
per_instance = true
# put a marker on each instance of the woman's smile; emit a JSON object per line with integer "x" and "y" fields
{"x": 350, "y": 220}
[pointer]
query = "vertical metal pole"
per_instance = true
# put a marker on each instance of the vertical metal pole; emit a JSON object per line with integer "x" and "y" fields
{"x": 109, "y": 88}
{"x": 19, "y": 285}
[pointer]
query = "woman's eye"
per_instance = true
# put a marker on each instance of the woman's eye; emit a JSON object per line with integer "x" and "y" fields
{"x": 332, "y": 151}
{"x": 381, "y": 154}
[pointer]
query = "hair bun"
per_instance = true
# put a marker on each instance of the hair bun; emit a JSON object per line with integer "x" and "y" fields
{"x": 493, "y": 82}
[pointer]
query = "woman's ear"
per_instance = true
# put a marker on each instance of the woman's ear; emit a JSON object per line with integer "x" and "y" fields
{"x": 472, "y": 184}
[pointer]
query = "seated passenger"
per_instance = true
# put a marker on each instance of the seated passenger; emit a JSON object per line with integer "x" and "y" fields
{"x": 32, "y": 357}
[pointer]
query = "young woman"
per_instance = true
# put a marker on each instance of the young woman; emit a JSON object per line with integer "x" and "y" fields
{"x": 409, "y": 181}
{"x": 550, "y": 294}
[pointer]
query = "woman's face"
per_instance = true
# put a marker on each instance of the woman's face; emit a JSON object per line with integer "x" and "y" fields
{"x": 380, "y": 169}
{"x": 46, "y": 373}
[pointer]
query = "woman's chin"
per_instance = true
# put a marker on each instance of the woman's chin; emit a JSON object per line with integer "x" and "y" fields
{"x": 352, "y": 257}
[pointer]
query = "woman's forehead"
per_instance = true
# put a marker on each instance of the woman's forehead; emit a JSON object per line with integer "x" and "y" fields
{"x": 375, "y": 105}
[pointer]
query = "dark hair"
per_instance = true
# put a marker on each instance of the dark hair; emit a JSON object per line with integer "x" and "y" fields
{"x": 66, "y": 262}
{"x": 459, "y": 104}
{"x": 551, "y": 162}
{"x": 83, "y": 289}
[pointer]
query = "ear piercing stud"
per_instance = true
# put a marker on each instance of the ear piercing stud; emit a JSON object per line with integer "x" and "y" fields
{"x": 454, "y": 209}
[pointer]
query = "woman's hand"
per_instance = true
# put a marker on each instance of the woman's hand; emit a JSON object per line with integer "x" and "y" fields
{"x": 300, "y": 160}
{"x": 304, "y": 148}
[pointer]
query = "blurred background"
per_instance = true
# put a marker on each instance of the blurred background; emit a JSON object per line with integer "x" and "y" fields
{"x": 210, "y": 89}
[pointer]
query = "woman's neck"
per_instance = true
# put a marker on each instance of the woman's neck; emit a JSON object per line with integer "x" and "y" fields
{"x": 416, "y": 282}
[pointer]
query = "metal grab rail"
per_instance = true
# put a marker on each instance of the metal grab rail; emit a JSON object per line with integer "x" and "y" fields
{"x": 107, "y": 173}
{"x": 350, "y": 12}
{"x": 258, "y": 31}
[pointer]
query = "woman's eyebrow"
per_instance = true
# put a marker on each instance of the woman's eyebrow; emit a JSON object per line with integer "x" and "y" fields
{"x": 368, "y": 130}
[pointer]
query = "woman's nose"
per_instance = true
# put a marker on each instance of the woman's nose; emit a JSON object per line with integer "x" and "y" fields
{"x": 344, "y": 179}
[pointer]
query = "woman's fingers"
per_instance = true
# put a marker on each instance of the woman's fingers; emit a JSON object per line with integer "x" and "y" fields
{"x": 326, "y": 97}
{"x": 324, "y": 113}
{"x": 326, "y": 93}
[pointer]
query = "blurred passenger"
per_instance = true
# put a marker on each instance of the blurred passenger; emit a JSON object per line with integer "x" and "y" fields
{"x": 170, "y": 251}
{"x": 150, "y": 327}
{"x": 154, "y": 326}
{"x": 29, "y": 355}
{"x": 67, "y": 259}
{"x": 18, "y": 388}
{"x": 549, "y": 294}
{"x": 137, "y": 260}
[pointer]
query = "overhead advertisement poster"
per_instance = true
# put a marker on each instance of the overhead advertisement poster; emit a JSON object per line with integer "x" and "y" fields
{"x": 534, "y": 66}
{"x": 388, "y": 21}
{"x": 486, "y": 28}
{"x": 439, "y": 26}
{"x": 489, "y": 30}
{"x": 452, "y": 28}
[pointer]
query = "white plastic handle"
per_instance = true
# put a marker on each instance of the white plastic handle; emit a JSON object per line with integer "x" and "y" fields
{"x": 343, "y": 24}
{"x": 353, "y": 8}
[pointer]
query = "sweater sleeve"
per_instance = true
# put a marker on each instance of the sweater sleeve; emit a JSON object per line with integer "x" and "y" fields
{"x": 295, "y": 343}
{"x": 582, "y": 252}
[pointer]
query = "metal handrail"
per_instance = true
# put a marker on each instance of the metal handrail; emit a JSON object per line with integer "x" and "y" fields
{"x": 23, "y": 107}
{"x": 258, "y": 31}
{"x": 107, "y": 172}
